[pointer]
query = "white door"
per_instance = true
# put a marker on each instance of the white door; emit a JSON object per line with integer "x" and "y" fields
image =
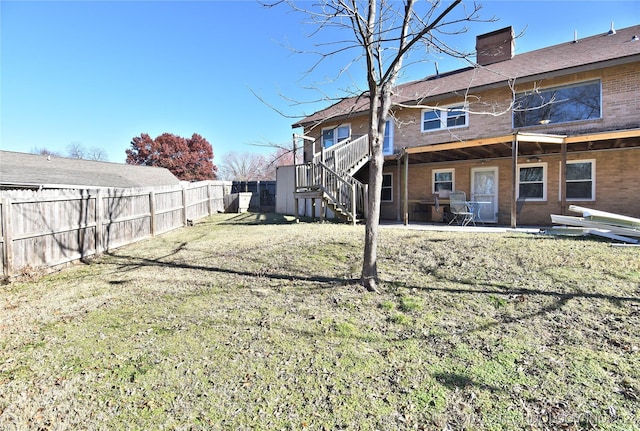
{"x": 484, "y": 189}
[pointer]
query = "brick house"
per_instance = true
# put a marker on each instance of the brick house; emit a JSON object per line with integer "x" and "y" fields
{"x": 527, "y": 135}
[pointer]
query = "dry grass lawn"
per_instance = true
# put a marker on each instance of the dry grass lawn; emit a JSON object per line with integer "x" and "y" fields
{"x": 247, "y": 322}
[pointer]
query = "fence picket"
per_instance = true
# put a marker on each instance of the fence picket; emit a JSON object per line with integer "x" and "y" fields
{"x": 49, "y": 228}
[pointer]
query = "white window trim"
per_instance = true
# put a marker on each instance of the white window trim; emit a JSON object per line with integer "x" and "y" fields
{"x": 443, "y": 118}
{"x": 335, "y": 130}
{"x": 390, "y": 187}
{"x": 544, "y": 166}
{"x": 593, "y": 181}
{"x": 433, "y": 178}
{"x": 390, "y": 127}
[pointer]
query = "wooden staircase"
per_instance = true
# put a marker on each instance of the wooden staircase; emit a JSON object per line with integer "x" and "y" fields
{"x": 329, "y": 177}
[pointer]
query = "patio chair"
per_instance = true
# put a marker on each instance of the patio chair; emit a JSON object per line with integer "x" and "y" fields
{"x": 460, "y": 209}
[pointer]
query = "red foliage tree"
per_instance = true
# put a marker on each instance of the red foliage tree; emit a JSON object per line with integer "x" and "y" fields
{"x": 188, "y": 159}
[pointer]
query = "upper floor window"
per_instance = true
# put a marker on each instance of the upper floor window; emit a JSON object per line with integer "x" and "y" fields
{"x": 334, "y": 135}
{"x": 386, "y": 194}
{"x": 443, "y": 180}
{"x": 563, "y": 104}
{"x": 444, "y": 118}
{"x": 532, "y": 182}
{"x": 581, "y": 180}
{"x": 387, "y": 145}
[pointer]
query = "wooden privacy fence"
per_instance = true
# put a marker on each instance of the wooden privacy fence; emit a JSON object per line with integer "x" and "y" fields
{"x": 48, "y": 228}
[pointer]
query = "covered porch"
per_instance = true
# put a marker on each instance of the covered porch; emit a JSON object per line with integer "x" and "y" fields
{"x": 509, "y": 152}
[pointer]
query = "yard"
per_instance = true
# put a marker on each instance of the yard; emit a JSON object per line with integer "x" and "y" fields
{"x": 244, "y": 322}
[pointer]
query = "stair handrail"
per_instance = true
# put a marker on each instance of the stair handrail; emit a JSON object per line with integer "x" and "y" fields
{"x": 330, "y": 171}
{"x": 348, "y": 156}
{"x": 327, "y": 153}
{"x": 345, "y": 154}
{"x": 345, "y": 191}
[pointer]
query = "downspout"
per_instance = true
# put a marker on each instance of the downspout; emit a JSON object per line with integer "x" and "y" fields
{"x": 563, "y": 179}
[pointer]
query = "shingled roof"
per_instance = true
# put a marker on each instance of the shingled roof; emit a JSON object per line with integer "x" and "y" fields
{"x": 586, "y": 54}
{"x": 34, "y": 170}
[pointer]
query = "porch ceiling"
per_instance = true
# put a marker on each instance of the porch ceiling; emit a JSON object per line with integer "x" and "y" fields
{"x": 529, "y": 144}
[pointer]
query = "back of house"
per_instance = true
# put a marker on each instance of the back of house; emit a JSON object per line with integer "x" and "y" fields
{"x": 524, "y": 135}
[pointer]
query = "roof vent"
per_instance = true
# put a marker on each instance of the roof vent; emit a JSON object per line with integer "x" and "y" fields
{"x": 575, "y": 36}
{"x": 635, "y": 37}
{"x": 496, "y": 46}
{"x": 612, "y": 30}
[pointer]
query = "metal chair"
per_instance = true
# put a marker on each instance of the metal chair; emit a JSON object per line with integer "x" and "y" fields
{"x": 460, "y": 209}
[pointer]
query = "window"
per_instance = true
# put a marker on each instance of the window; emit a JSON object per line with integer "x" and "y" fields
{"x": 564, "y": 104}
{"x": 442, "y": 180}
{"x": 532, "y": 182}
{"x": 581, "y": 180}
{"x": 332, "y": 136}
{"x": 387, "y": 188}
{"x": 387, "y": 146}
{"x": 430, "y": 120}
{"x": 444, "y": 118}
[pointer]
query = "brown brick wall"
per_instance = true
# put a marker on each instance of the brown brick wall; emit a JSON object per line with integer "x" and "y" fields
{"x": 617, "y": 186}
{"x": 490, "y": 115}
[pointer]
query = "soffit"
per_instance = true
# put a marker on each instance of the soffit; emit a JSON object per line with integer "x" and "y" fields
{"x": 529, "y": 144}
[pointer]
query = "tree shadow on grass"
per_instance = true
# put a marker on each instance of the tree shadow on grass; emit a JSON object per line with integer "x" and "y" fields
{"x": 323, "y": 282}
{"x": 501, "y": 289}
{"x": 560, "y": 300}
{"x": 131, "y": 263}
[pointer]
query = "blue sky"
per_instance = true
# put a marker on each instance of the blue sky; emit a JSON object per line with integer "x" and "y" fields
{"x": 98, "y": 73}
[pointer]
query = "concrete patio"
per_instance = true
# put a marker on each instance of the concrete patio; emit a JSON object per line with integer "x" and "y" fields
{"x": 443, "y": 227}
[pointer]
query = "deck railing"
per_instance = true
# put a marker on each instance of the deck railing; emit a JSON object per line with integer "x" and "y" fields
{"x": 330, "y": 172}
{"x": 344, "y": 191}
{"x": 345, "y": 154}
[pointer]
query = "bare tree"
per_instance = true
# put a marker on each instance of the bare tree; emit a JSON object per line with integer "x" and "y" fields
{"x": 76, "y": 150}
{"x": 382, "y": 33}
{"x": 243, "y": 167}
{"x": 282, "y": 156}
{"x": 45, "y": 152}
{"x": 98, "y": 154}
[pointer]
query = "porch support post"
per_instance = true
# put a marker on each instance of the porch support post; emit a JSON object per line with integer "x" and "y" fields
{"x": 563, "y": 179}
{"x": 399, "y": 188}
{"x": 405, "y": 197}
{"x": 514, "y": 173}
{"x": 354, "y": 197}
{"x": 366, "y": 201}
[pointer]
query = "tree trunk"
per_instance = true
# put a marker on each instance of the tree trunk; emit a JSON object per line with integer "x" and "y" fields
{"x": 381, "y": 80}
{"x": 379, "y": 107}
{"x": 370, "y": 265}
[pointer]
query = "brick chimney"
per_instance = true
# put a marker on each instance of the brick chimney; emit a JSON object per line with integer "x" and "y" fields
{"x": 496, "y": 46}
